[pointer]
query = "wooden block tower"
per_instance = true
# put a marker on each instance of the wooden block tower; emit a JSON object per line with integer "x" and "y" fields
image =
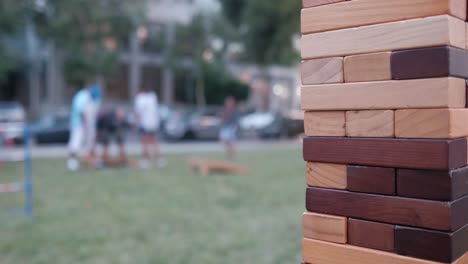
{"x": 386, "y": 124}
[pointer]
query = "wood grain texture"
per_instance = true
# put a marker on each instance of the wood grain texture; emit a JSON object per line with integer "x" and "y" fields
{"x": 384, "y": 95}
{"x": 371, "y": 180}
{"x": 325, "y": 227}
{"x": 371, "y": 235}
{"x": 368, "y": 67}
{"x": 431, "y": 123}
{"x": 319, "y": 252}
{"x": 326, "y": 175}
{"x": 431, "y": 245}
{"x": 443, "y": 216}
{"x": 328, "y": 123}
{"x": 433, "y": 185}
{"x": 369, "y": 12}
{"x": 312, "y": 3}
{"x": 319, "y": 71}
{"x": 370, "y": 123}
{"x": 430, "y": 62}
{"x": 416, "y": 33}
{"x": 393, "y": 153}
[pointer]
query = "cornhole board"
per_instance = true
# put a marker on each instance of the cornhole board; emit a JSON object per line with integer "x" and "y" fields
{"x": 206, "y": 166}
{"x": 92, "y": 163}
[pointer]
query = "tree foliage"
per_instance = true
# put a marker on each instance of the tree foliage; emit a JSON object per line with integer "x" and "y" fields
{"x": 12, "y": 15}
{"x": 233, "y": 10}
{"x": 12, "y": 18}
{"x": 91, "y": 32}
{"x": 266, "y": 29}
{"x": 219, "y": 84}
{"x": 197, "y": 41}
{"x": 88, "y": 33}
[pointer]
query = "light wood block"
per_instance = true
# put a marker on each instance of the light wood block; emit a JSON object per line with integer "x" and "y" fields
{"x": 466, "y": 35}
{"x": 370, "y": 123}
{"x": 319, "y": 71}
{"x": 368, "y": 12}
{"x": 325, "y": 227}
{"x": 326, "y": 175}
{"x": 415, "y": 33}
{"x": 368, "y": 67}
{"x": 312, "y": 3}
{"x": 462, "y": 260}
{"x": 423, "y": 93}
{"x": 431, "y": 123}
{"x": 330, "y": 123}
{"x": 320, "y": 252}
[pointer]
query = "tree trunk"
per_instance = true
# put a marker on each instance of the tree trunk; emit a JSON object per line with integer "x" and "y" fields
{"x": 200, "y": 92}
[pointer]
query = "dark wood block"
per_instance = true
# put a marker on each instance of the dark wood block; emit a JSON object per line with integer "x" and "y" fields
{"x": 432, "y": 62}
{"x": 444, "y": 216}
{"x": 371, "y": 180}
{"x": 431, "y": 245}
{"x": 395, "y": 153}
{"x": 459, "y": 183}
{"x": 459, "y": 210}
{"x": 466, "y": 102}
{"x": 371, "y": 235}
{"x": 433, "y": 185}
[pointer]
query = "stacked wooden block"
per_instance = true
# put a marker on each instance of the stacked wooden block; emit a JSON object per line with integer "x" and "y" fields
{"x": 386, "y": 123}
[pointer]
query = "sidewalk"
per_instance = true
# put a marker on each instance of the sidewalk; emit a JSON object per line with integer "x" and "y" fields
{"x": 60, "y": 151}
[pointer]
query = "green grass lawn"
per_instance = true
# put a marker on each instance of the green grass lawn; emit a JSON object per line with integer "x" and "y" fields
{"x": 159, "y": 216}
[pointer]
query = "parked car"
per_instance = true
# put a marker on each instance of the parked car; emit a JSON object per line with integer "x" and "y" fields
{"x": 12, "y": 121}
{"x": 268, "y": 125}
{"x": 201, "y": 124}
{"x": 294, "y": 123}
{"x": 205, "y": 124}
{"x": 275, "y": 129}
{"x": 252, "y": 124}
{"x": 51, "y": 129}
{"x": 175, "y": 128}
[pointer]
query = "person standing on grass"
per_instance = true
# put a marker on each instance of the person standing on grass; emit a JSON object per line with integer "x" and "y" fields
{"x": 229, "y": 127}
{"x": 147, "y": 117}
{"x": 92, "y": 112}
{"x": 82, "y": 124}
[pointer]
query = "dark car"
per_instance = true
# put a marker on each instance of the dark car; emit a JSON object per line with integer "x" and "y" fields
{"x": 270, "y": 125}
{"x": 51, "y": 129}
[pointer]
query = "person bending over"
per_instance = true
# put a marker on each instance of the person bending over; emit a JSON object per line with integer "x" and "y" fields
{"x": 111, "y": 127}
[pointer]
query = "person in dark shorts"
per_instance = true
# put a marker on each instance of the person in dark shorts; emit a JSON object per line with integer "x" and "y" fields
{"x": 147, "y": 116}
{"x": 111, "y": 125}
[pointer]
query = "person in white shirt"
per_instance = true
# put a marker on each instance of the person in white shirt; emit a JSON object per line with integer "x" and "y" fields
{"x": 82, "y": 123}
{"x": 147, "y": 117}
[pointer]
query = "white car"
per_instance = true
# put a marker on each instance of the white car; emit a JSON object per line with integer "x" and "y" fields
{"x": 12, "y": 121}
{"x": 251, "y": 124}
{"x": 256, "y": 121}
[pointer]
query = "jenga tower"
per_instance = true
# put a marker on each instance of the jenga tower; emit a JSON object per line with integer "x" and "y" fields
{"x": 386, "y": 124}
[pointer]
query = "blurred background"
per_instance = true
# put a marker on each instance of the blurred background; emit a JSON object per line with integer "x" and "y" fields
{"x": 192, "y": 54}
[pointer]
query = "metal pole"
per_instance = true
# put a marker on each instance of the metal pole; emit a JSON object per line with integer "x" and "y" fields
{"x": 27, "y": 172}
